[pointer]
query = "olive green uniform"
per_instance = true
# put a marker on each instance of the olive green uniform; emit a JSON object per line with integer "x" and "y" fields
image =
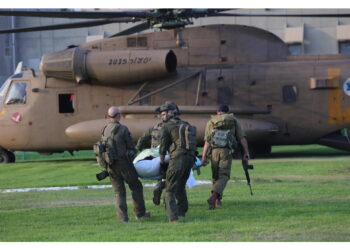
{"x": 181, "y": 162}
{"x": 150, "y": 139}
{"x": 123, "y": 171}
{"x": 221, "y": 158}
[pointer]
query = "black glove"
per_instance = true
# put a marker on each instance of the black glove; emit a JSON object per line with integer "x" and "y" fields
{"x": 131, "y": 154}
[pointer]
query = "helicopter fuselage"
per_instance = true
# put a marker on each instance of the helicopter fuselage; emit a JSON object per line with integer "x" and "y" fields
{"x": 279, "y": 99}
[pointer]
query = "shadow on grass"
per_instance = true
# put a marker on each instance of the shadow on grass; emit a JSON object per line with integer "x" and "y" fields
{"x": 308, "y": 151}
{"x": 294, "y": 151}
{"x": 56, "y": 160}
{"x": 28, "y": 157}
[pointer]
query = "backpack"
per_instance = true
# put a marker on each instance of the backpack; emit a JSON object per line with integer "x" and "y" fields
{"x": 105, "y": 150}
{"x": 187, "y": 136}
{"x": 223, "y": 122}
{"x": 222, "y": 135}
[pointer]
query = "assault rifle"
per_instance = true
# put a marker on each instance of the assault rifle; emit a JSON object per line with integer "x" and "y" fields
{"x": 102, "y": 175}
{"x": 247, "y": 166}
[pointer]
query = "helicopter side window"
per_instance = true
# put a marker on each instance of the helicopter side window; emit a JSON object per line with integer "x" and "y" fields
{"x": 289, "y": 94}
{"x": 66, "y": 103}
{"x": 142, "y": 41}
{"x": 17, "y": 94}
{"x": 344, "y": 47}
{"x": 131, "y": 42}
{"x": 295, "y": 48}
{"x": 147, "y": 100}
{"x": 136, "y": 42}
{"x": 224, "y": 95}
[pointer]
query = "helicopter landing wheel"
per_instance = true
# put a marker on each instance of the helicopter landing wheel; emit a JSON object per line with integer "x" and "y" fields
{"x": 6, "y": 156}
{"x": 12, "y": 156}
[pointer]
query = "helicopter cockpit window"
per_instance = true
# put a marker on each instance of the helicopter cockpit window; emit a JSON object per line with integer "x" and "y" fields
{"x": 3, "y": 90}
{"x": 289, "y": 94}
{"x": 17, "y": 93}
{"x": 66, "y": 103}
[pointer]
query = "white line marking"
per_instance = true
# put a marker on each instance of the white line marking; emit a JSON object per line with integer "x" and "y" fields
{"x": 22, "y": 190}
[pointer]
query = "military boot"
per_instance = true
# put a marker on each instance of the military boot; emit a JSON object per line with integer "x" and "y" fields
{"x": 212, "y": 200}
{"x": 145, "y": 215}
{"x": 218, "y": 200}
{"x": 157, "y": 192}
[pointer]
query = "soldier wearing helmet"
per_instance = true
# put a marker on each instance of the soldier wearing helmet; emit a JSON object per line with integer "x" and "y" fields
{"x": 178, "y": 138}
{"x": 151, "y": 138}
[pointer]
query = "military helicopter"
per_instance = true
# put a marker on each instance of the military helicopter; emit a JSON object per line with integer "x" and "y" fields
{"x": 279, "y": 99}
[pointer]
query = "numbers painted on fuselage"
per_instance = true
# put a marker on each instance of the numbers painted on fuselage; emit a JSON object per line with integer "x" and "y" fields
{"x": 116, "y": 61}
{"x": 135, "y": 60}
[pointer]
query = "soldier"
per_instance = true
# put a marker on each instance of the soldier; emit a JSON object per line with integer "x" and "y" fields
{"x": 179, "y": 139}
{"x": 222, "y": 133}
{"x": 151, "y": 138}
{"x": 121, "y": 169}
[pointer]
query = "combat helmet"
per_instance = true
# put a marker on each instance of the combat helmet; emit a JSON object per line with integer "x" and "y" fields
{"x": 169, "y": 106}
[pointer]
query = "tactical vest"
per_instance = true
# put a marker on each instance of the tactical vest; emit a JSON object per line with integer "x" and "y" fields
{"x": 155, "y": 135}
{"x": 186, "y": 136}
{"x": 222, "y": 135}
{"x": 105, "y": 150}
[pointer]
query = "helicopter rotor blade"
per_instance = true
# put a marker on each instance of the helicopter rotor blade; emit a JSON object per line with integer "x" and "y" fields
{"x": 144, "y": 13}
{"x": 70, "y": 25}
{"x": 278, "y": 15}
{"x": 64, "y": 13}
{"x": 161, "y": 18}
{"x": 137, "y": 28}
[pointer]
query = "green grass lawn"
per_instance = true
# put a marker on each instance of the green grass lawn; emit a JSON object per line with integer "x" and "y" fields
{"x": 300, "y": 194}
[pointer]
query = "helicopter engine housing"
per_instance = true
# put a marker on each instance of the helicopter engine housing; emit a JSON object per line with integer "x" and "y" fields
{"x": 109, "y": 67}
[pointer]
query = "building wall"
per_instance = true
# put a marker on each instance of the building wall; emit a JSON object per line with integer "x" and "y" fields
{"x": 319, "y": 34}
{"x": 6, "y": 50}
